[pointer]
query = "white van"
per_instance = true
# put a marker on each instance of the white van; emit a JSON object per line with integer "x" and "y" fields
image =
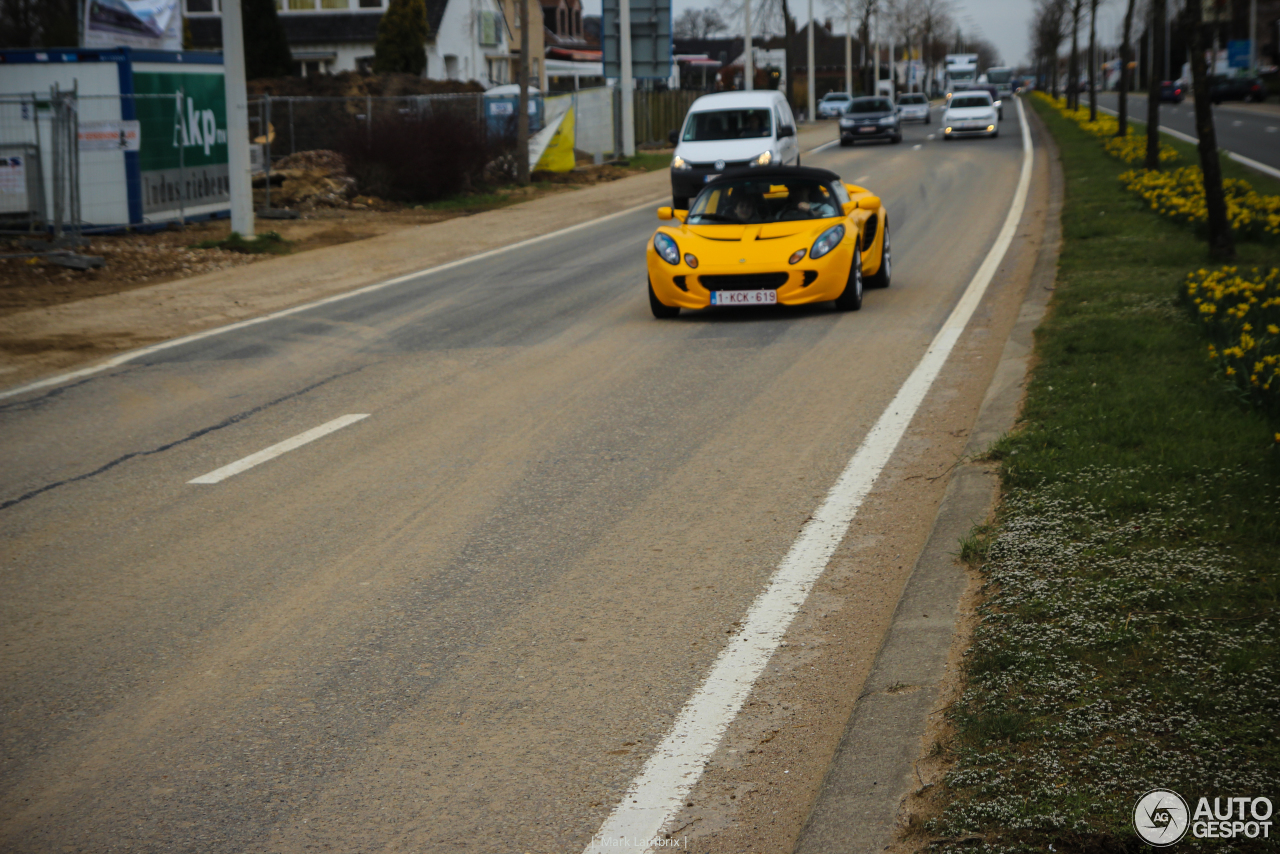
{"x": 728, "y": 130}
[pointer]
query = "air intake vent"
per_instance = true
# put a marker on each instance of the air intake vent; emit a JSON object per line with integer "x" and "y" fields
{"x": 748, "y": 282}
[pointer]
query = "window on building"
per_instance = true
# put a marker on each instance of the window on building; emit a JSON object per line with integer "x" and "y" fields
{"x": 335, "y": 4}
{"x": 577, "y": 22}
{"x": 296, "y": 5}
{"x": 371, "y": 4}
{"x": 489, "y": 32}
{"x": 451, "y": 66}
{"x": 197, "y": 6}
{"x": 561, "y": 29}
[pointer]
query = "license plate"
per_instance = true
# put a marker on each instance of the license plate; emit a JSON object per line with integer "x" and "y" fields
{"x": 744, "y": 297}
{"x": 867, "y": 130}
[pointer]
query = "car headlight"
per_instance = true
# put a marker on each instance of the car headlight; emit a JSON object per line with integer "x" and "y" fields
{"x": 764, "y": 159}
{"x": 678, "y": 162}
{"x": 846, "y": 123}
{"x": 888, "y": 120}
{"x": 827, "y": 241}
{"x": 666, "y": 248}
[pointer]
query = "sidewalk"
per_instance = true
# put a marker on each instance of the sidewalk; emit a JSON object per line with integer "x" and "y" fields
{"x": 43, "y": 341}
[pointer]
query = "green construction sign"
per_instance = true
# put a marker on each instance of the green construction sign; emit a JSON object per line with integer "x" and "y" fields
{"x": 183, "y": 155}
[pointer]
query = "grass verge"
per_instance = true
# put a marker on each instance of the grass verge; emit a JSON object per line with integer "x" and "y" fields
{"x": 266, "y": 243}
{"x": 1128, "y": 635}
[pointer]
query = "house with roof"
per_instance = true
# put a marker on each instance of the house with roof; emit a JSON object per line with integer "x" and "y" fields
{"x": 466, "y": 39}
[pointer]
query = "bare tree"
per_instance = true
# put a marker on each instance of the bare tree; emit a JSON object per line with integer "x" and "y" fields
{"x": 1048, "y": 31}
{"x": 1153, "y": 84}
{"x": 1073, "y": 65}
{"x": 1093, "y": 60}
{"x": 699, "y": 24}
{"x": 1222, "y": 245}
{"x": 1126, "y": 56}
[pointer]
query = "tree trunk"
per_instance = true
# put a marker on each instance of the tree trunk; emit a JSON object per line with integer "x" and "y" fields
{"x": 1222, "y": 245}
{"x": 1156, "y": 42}
{"x": 522, "y": 109}
{"x": 1073, "y": 67}
{"x": 1093, "y": 60}
{"x": 1126, "y": 54}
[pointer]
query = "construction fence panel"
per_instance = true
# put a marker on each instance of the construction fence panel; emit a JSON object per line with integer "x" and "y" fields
{"x": 593, "y": 121}
{"x": 657, "y": 113}
{"x": 22, "y": 192}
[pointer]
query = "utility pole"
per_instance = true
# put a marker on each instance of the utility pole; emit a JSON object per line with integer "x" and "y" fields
{"x": 238, "y": 168}
{"x": 875, "y": 90}
{"x": 522, "y": 102}
{"x": 748, "y": 60}
{"x": 628, "y": 81}
{"x": 1253, "y": 37}
{"x": 813, "y": 78}
{"x": 848, "y": 46}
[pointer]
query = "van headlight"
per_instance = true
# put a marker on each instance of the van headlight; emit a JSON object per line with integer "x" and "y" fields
{"x": 827, "y": 241}
{"x": 678, "y": 162}
{"x": 666, "y": 248}
{"x": 764, "y": 159}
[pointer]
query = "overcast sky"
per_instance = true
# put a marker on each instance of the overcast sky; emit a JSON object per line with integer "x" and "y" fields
{"x": 1002, "y": 22}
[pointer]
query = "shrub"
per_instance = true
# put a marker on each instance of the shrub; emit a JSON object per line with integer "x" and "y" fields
{"x": 1241, "y": 314}
{"x": 1179, "y": 195}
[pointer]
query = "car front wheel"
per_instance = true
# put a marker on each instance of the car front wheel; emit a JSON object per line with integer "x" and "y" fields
{"x": 660, "y": 311}
{"x": 881, "y": 277}
{"x": 851, "y": 298}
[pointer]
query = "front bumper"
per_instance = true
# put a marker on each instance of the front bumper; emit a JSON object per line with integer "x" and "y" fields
{"x": 973, "y": 131}
{"x": 877, "y": 131}
{"x": 915, "y": 115}
{"x": 807, "y": 282}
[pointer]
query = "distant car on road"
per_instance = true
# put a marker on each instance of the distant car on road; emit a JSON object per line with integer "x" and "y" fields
{"x": 914, "y": 106}
{"x": 870, "y": 118}
{"x": 1236, "y": 89}
{"x": 970, "y": 114}
{"x": 833, "y": 104}
{"x": 770, "y": 235}
{"x": 1172, "y": 91}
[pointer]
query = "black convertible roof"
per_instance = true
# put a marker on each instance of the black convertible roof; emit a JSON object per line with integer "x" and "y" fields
{"x": 780, "y": 172}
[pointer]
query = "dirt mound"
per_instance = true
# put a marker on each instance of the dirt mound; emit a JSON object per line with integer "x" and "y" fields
{"x": 311, "y": 179}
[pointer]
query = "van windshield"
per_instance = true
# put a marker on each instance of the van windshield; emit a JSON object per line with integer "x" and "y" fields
{"x": 728, "y": 124}
{"x": 964, "y": 102}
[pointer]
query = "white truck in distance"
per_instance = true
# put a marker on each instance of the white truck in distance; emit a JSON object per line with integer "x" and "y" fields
{"x": 1001, "y": 77}
{"x": 961, "y": 72}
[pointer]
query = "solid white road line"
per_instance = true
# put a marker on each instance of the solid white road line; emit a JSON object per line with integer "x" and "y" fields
{"x": 917, "y": 147}
{"x": 276, "y": 450}
{"x": 1239, "y": 158}
{"x": 675, "y": 765}
{"x": 823, "y": 147}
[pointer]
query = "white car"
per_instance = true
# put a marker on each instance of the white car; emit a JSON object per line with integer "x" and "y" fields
{"x": 833, "y": 104}
{"x": 970, "y": 114}
{"x": 913, "y": 107}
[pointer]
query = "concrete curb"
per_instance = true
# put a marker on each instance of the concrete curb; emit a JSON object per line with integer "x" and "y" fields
{"x": 857, "y": 807}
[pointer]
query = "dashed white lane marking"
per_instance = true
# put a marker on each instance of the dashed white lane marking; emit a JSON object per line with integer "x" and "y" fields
{"x": 1272, "y": 128}
{"x": 1236, "y": 123}
{"x": 676, "y": 764}
{"x": 931, "y": 136}
{"x": 276, "y": 450}
{"x": 916, "y": 147}
{"x": 860, "y": 179}
{"x": 823, "y": 147}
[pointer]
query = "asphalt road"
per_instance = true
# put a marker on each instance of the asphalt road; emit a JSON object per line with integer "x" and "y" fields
{"x": 462, "y": 622}
{"x": 1247, "y": 132}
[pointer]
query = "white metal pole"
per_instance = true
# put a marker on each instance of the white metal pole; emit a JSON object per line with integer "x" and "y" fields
{"x": 813, "y": 78}
{"x": 748, "y": 59}
{"x": 848, "y": 47}
{"x": 893, "y": 72}
{"x": 238, "y": 174}
{"x": 876, "y": 89}
{"x": 627, "y": 82}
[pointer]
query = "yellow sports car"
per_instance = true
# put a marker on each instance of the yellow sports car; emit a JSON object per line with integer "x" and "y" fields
{"x": 768, "y": 235}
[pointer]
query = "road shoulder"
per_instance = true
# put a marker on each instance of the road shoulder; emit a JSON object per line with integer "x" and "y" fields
{"x": 877, "y": 762}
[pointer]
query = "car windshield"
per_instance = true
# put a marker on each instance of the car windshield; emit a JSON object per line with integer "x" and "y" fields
{"x": 759, "y": 200}
{"x": 960, "y": 102}
{"x": 728, "y": 124}
{"x": 911, "y": 99}
{"x": 871, "y": 105}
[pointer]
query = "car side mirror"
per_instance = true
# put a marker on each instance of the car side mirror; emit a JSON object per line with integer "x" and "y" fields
{"x": 665, "y": 213}
{"x": 786, "y": 130}
{"x": 869, "y": 203}
{"x": 673, "y": 136}
{"x": 849, "y": 207}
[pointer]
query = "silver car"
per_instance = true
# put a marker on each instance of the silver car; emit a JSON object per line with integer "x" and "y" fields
{"x": 914, "y": 107}
{"x": 833, "y": 104}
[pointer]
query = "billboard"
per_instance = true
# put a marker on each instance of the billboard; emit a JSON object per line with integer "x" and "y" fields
{"x": 147, "y": 24}
{"x": 183, "y": 142}
{"x": 650, "y": 38}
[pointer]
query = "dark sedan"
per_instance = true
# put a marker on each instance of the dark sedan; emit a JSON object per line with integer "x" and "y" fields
{"x": 1236, "y": 89}
{"x": 870, "y": 118}
{"x": 1172, "y": 91}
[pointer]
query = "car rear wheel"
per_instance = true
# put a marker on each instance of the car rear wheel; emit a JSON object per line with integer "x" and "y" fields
{"x": 851, "y": 298}
{"x": 881, "y": 277}
{"x": 660, "y": 311}
{"x": 928, "y": 119}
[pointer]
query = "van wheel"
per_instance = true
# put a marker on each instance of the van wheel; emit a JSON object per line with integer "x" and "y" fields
{"x": 851, "y": 298}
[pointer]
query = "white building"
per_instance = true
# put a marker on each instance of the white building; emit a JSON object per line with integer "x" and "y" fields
{"x": 466, "y": 39}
